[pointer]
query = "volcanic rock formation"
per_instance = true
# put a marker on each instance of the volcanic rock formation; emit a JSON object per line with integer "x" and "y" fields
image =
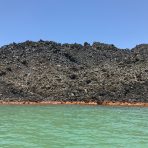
{"x": 46, "y": 70}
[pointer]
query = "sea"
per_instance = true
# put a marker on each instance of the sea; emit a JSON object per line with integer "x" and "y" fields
{"x": 73, "y": 126}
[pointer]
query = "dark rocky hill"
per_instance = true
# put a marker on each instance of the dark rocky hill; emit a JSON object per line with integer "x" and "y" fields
{"x": 46, "y": 70}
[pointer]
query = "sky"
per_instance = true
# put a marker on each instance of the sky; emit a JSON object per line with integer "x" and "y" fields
{"x": 123, "y": 23}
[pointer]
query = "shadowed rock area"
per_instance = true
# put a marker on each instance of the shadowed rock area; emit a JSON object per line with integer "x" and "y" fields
{"x": 50, "y": 71}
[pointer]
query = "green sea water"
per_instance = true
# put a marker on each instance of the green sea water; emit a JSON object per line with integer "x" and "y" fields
{"x": 73, "y": 126}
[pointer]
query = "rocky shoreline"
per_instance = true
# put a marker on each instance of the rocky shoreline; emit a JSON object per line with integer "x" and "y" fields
{"x": 137, "y": 104}
{"x": 46, "y": 71}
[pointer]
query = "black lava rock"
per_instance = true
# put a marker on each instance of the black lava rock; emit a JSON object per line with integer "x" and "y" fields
{"x": 47, "y": 70}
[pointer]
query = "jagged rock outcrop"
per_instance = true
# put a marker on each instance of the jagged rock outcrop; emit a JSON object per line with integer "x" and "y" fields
{"x": 46, "y": 70}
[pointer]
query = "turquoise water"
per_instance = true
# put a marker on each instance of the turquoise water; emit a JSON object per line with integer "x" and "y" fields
{"x": 73, "y": 126}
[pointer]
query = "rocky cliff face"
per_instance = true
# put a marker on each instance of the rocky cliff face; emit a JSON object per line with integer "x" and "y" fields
{"x": 45, "y": 70}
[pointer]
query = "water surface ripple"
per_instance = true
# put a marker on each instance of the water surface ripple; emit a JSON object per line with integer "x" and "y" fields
{"x": 73, "y": 126}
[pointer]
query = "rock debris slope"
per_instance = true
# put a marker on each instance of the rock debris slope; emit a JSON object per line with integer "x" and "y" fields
{"x": 46, "y": 70}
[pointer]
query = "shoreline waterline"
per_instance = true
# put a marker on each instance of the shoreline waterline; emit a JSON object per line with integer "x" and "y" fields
{"x": 109, "y": 103}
